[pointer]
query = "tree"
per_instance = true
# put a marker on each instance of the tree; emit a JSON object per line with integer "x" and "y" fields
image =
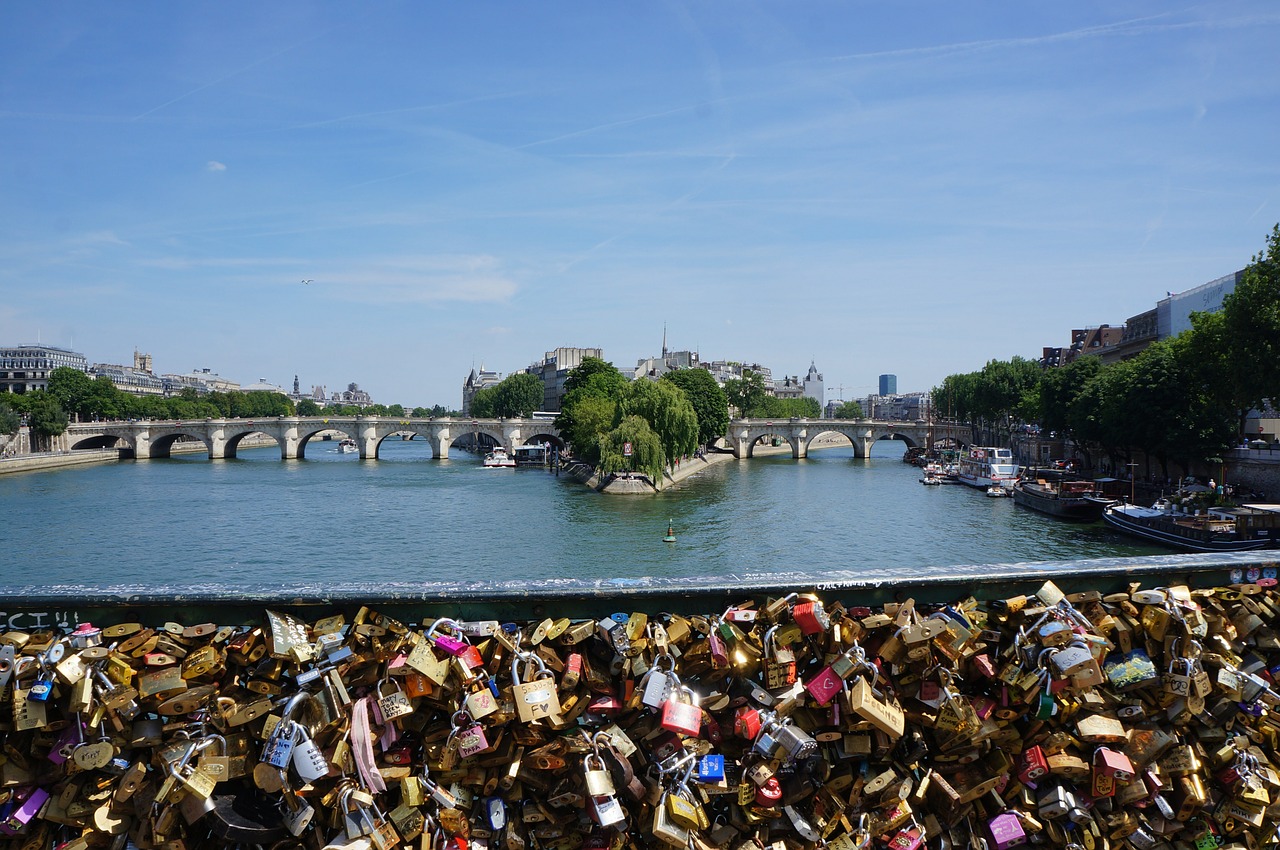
{"x": 73, "y": 390}
{"x": 710, "y": 404}
{"x": 646, "y": 449}
{"x": 593, "y": 417}
{"x": 518, "y": 396}
{"x": 47, "y": 419}
{"x": 10, "y": 421}
{"x": 849, "y": 410}
{"x": 308, "y": 407}
{"x": 746, "y": 394}
{"x": 1251, "y": 321}
{"x": 787, "y": 408}
{"x": 589, "y": 368}
{"x": 484, "y": 402}
{"x": 667, "y": 410}
{"x": 598, "y": 381}
{"x": 1060, "y": 389}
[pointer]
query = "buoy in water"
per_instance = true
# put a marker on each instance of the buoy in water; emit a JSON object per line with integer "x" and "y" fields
{"x": 671, "y": 533}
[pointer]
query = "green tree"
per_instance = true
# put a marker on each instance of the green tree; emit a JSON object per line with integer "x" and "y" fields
{"x": 308, "y": 407}
{"x": 599, "y": 386}
{"x": 1236, "y": 348}
{"x": 647, "y": 455}
{"x": 484, "y": 402}
{"x": 589, "y": 369}
{"x": 667, "y": 410}
{"x": 746, "y": 394}
{"x": 517, "y": 396}
{"x": 73, "y": 390}
{"x": 849, "y": 410}
{"x": 593, "y": 417}
{"x": 47, "y": 419}
{"x": 787, "y": 408}
{"x": 10, "y": 421}
{"x": 1060, "y": 390}
{"x": 396, "y": 410}
{"x": 710, "y": 404}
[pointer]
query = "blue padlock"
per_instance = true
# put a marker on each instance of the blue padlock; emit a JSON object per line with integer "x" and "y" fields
{"x": 711, "y": 768}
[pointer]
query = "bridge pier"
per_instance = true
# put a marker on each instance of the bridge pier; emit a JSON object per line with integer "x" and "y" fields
{"x": 440, "y": 444}
{"x": 800, "y": 444}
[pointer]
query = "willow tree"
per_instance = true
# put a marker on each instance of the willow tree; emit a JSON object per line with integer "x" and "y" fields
{"x": 646, "y": 449}
{"x": 667, "y": 410}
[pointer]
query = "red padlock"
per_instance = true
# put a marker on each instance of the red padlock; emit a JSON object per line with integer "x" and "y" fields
{"x": 1032, "y": 765}
{"x": 746, "y": 723}
{"x": 770, "y": 793}
{"x": 811, "y": 618}
{"x": 684, "y": 718}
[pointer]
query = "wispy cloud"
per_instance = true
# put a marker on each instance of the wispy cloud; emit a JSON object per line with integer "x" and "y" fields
{"x": 214, "y": 165}
{"x": 473, "y": 278}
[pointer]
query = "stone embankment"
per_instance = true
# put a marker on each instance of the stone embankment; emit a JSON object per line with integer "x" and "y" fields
{"x": 56, "y": 460}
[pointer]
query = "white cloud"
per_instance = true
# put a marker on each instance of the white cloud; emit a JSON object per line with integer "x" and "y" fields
{"x": 424, "y": 279}
{"x": 214, "y": 165}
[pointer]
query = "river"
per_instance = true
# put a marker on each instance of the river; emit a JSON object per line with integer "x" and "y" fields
{"x": 256, "y": 520}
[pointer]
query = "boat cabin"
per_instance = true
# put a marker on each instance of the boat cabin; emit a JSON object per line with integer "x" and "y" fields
{"x": 532, "y": 455}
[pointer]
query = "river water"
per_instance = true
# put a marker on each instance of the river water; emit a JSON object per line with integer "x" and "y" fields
{"x": 256, "y": 520}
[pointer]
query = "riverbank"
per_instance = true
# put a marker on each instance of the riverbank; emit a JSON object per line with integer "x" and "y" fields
{"x": 641, "y": 485}
{"x": 57, "y": 460}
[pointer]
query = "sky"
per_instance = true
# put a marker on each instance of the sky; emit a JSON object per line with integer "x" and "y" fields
{"x": 912, "y": 188}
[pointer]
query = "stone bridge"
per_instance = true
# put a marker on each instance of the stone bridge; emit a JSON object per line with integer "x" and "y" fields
{"x": 221, "y": 437}
{"x": 746, "y": 434}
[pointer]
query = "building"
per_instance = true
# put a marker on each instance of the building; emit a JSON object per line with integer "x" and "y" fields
{"x": 1083, "y": 341}
{"x": 137, "y": 379}
{"x": 888, "y": 385}
{"x": 476, "y": 381}
{"x": 907, "y": 407}
{"x": 351, "y": 395}
{"x": 555, "y": 368}
{"x": 26, "y": 368}
{"x": 789, "y": 387}
{"x": 1170, "y": 317}
{"x": 813, "y": 385}
{"x": 263, "y": 387}
{"x": 202, "y": 381}
{"x": 724, "y": 370}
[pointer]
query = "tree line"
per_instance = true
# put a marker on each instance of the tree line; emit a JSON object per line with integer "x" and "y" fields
{"x": 1181, "y": 401}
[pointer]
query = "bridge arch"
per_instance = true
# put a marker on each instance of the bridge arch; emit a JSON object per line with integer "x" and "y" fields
{"x": 855, "y": 439}
{"x": 162, "y": 444}
{"x": 98, "y": 441}
{"x": 544, "y": 437}
{"x": 305, "y": 437}
{"x": 768, "y": 437}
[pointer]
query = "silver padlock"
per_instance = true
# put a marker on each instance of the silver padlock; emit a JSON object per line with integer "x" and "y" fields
{"x": 308, "y": 761}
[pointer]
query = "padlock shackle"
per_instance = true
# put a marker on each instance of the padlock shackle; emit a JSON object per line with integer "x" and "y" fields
{"x": 444, "y": 621}
{"x": 294, "y": 702}
{"x": 526, "y": 657}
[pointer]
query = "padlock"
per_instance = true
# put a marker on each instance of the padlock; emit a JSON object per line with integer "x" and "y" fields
{"x": 683, "y": 717}
{"x": 394, "y": 704}
{"x": 470, "y": 735}
{"x": 538, "y": 697}
{"x": 811, "y": 617}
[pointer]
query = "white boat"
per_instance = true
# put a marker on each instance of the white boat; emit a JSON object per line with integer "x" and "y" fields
{"x": 348, "y": 446}
{"x": 988, "y": 466}
{"x": 499, "y": 459}
{"x": 931, "y": 479}
{"x": 995, "y": 491}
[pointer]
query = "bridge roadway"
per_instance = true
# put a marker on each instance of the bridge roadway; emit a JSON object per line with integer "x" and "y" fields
{"x": 221, "y": 437}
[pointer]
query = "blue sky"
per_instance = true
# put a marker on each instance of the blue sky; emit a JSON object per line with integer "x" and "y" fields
{"x": 912, "y": 188}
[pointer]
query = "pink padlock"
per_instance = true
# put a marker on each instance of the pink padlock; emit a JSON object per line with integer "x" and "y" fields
{"x": 452, "y": 645}
{"x": 23, "y": 814}
{"x": 824, "y": 686}
{"x": 1006, "y": 831}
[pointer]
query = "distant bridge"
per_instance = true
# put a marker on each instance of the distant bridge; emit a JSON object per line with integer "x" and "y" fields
{"x": 221, "y": 437}
{"x": 745, "y": 435}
